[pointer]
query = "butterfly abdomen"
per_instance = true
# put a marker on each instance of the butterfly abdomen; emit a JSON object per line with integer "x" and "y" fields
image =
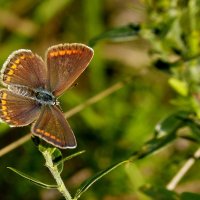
{"x": 40, "y": 95}
{"x": 21, "y": 90}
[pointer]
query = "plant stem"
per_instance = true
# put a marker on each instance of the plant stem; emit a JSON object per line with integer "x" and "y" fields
{"x": 110, "y": 90}
{"x": 184, "y": 169}
{"x": 54, "y": 171}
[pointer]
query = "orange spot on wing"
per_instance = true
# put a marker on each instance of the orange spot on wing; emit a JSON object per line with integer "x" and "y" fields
{"x": 11, "y": 72}
{"x": 76, "y": 52}
{"x": 4, "y": 108}
{"x": 47, "y": 134}
{"x": 11, "y": 122}
{"x": 17, "y": 61}
{"x": 8, "y": 118}
{"x": 58, "y": 140}
{"x": 31, "y": 56}
{"x": 3, "y": 102}
{"x": 52, "y": 54}
{"x": 4, "y": 96}
{"x": 56, "y": 53}
{"x": 52, "y": 137}
{"x": 13, "y": 66}
{"x": 39, "y": 130}
{"x": 62, "y": 52}
{"x": 8, "y": 78}
{"x": 22, "y": 57}
{"x": 68, "y": 52}
{"x": 5, "y": 113}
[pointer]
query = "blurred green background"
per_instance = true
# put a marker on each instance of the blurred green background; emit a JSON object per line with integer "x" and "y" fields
{"x": 113, "y": 128}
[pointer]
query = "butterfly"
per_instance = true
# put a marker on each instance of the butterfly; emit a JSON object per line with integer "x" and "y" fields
{"x": 33, "y": 87}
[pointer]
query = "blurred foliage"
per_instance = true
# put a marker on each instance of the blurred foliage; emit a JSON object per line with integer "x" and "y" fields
{"x": 157, "y": 43}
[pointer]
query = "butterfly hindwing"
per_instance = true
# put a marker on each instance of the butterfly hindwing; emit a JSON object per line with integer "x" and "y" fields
{"x": 65, "y": 63}
{"x": 17, "y": 110}
{"x": 53, "y": 128}
{"x": 24, "y": 68}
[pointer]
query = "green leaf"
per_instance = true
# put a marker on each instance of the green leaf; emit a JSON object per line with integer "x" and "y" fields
{"x": 189, "y": 196}
{"x": 4, "y": 128}
{"x": 118, "y": 34}
{"x": 171, "y": 124}
{"x": 57, "y": 158}
{"x": 162, "y": 29}
{"x": 33, "y": 180}
{"x": 69, "y": 157}
{"x": 41, "y": 144}
{"x": 159, "y": 193}
{"x": 152, "y": 146}
{"x": 165, "y": 132}
{"x": 190, "y": 138}
{"x": 195, "y": 128}
{"x": 89, "y": 182}
{"x": 179, "y": 86}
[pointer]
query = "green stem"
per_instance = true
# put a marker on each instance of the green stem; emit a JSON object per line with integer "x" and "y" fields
{"x": 54, "y": 171}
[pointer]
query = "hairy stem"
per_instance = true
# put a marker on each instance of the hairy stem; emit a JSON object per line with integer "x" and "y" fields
{"x": 55, "y": 173}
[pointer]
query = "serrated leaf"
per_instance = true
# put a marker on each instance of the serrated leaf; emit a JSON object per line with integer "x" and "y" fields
{"x": 118, "y": 34}
{"x": 159, "y": 193}
{"x": 33, "y": 180}
{"x": 89, "y": 182}
{"x": 69, "y": 157}
{"x": 190, "y": 196}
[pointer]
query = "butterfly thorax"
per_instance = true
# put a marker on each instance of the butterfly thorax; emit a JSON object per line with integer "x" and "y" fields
{"x": 42, "y": 96}
{"x": 45, "y": 97}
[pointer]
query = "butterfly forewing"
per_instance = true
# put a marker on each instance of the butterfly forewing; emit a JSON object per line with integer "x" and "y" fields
{"x": 24, "y": 68}
{"x": 65, "y": 63}
{"x": 17, "y": 110}
{"x": 53, "y": 127}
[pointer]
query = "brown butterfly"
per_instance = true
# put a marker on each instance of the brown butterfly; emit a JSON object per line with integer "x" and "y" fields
{"x": 33, "y": 86}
